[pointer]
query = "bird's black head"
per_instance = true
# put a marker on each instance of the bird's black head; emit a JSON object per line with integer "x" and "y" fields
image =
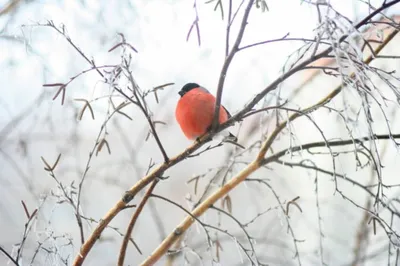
{"x": 187, "y": 88}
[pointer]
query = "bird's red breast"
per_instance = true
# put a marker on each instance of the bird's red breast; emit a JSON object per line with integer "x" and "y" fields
{"x": 195, "y": 111}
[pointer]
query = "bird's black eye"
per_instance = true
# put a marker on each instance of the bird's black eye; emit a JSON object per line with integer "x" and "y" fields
{"x": 187, "y": 88}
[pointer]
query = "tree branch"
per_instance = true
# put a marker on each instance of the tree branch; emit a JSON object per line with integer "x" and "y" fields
{"x": 8, "y": 256}
{"x": 132, "y": 223}
{"x": 227, "y": 63}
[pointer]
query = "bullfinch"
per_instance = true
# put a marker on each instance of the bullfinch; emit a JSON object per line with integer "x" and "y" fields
{"x": 195, "y": 111}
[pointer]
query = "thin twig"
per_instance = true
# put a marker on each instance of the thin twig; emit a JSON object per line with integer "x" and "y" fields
{"x": 227, "y": 63}
{"x": 8, "y": 256}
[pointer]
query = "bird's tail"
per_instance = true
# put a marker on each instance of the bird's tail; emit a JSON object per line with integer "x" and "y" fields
{"x": 232, "y": 139}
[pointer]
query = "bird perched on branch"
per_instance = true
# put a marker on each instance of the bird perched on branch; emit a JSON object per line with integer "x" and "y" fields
{"x": 195, "y": 111}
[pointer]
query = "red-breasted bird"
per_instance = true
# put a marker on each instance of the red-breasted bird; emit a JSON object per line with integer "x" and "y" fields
{"x": 195, "y": 111}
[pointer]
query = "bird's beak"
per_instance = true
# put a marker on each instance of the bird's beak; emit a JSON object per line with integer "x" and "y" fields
{"x": 181, "y": 93}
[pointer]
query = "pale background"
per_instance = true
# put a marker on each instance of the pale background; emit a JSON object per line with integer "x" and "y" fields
{"x": 31, "y": 56}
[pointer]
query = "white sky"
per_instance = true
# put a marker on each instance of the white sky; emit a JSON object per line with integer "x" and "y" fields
{"x": 158, "y": 30}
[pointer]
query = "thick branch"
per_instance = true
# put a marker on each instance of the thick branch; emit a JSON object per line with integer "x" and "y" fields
{"x": 189, "y": 220}
{"x": 131, "y": 193}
